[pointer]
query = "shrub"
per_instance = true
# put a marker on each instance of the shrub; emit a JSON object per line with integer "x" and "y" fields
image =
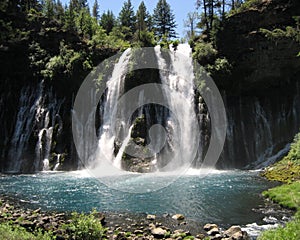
{"x": 204, "y": 53}
{"x": 86, "y": 226}
{"x": 13, "y": 232}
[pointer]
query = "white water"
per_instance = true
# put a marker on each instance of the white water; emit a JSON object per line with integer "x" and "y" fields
{"x": 108, "y": 130}
{"x": 118, "y": 159}
{"x": 34, "y": 114}
{"x": 179, "y": 77}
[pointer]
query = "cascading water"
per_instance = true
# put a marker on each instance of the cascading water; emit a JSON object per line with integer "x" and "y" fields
{"x": 38, "y": 114}
{"x": 46, "y": 118}
{"x": 109, "y": 130}
{"x": 180, "y": 78}
{"x": 178, "y": 123}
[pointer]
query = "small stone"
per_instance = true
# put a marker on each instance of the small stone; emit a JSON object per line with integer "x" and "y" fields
{"x": 209, "y": 226}
{"x": 216, "y": 237}
{"x": 158, "y": 232}
{"x": 138, "y": 232}
{"x": 200, "y": 236}
{"x": 151, "y": 226}
{"x": 213, "y": 232}
{"x": 240, "y": 236}
{"x": 151, "y": 217}
{"x": 37, "y": 210}
{"x": 178, "y": 217}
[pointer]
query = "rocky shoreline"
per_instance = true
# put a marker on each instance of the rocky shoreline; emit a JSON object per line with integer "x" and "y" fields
{"x": 118, "y": 226}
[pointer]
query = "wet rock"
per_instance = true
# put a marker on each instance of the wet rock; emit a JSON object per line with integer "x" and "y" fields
{"x": 178, "y": 217}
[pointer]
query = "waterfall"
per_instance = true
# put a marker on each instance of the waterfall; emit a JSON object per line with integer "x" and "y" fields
{"x": 38, "y": 115}
{"x": 46, "y": 117}
{"x": 179, "y": 77}
{"x": 177, "y": 121}
{"x": 110, "y": 128}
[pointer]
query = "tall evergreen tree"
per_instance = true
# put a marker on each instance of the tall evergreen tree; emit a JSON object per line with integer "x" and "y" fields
{"x": 143, "y": 18}
{"x": 126, "y": 16}
{"x": 77, "y": 5}
{"x": 164, "y": 20}
{"x": 59, "y": 10}
{"x": 96, "y": 10}
{"x": 107, "y": 21}
{"x": 49, "y": 9}
{"x": 26, "y": 5}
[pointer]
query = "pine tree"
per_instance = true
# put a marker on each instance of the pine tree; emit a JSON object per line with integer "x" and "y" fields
{"x": 77, "y": 5}
{"x": 142, "y": 17}
{"x": 26, "y": 5}
{"x": 107, "y": 21}
{"x": 59, "y": 10}
{"x": 96, "y": 10}
{"x": 126, "y": 16}
{"x": 49, "y": 9}
{"x": 164, "y": 20}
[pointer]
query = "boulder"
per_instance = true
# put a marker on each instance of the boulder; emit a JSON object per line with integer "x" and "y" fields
{"x": 213, "y": 232}
{"x": 216, "y": 237}
{"x": 151, "y": 217}
{"x": 178, "y": 217}
{"x": 209, "y": 226}
{"x": 232, "y": 230}
{"x": 236, "y": 233}
{"x": 158, "y": 232}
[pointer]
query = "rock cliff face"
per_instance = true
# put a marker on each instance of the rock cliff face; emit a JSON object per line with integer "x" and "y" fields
{"x": 262, "y": 98}
{"x": 260, "y": 63}
{"x": 262, "y": 94}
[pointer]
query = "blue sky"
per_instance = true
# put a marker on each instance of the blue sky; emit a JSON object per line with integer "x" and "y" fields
{"x": 180, "y": 8}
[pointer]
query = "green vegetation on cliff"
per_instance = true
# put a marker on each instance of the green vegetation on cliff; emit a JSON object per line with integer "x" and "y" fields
{"x": 288, "y": 169}
{"x": 288, "y": 195}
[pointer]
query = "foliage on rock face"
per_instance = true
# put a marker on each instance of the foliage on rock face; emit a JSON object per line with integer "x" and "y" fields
{"x": 288, "y": 169}
{"x": 288, "y": 195}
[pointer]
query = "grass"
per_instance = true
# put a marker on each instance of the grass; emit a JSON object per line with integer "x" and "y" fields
{"x": 288, "y": 195}
{"x": 12, "y": 232}
{"x": 291, "y": 231}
